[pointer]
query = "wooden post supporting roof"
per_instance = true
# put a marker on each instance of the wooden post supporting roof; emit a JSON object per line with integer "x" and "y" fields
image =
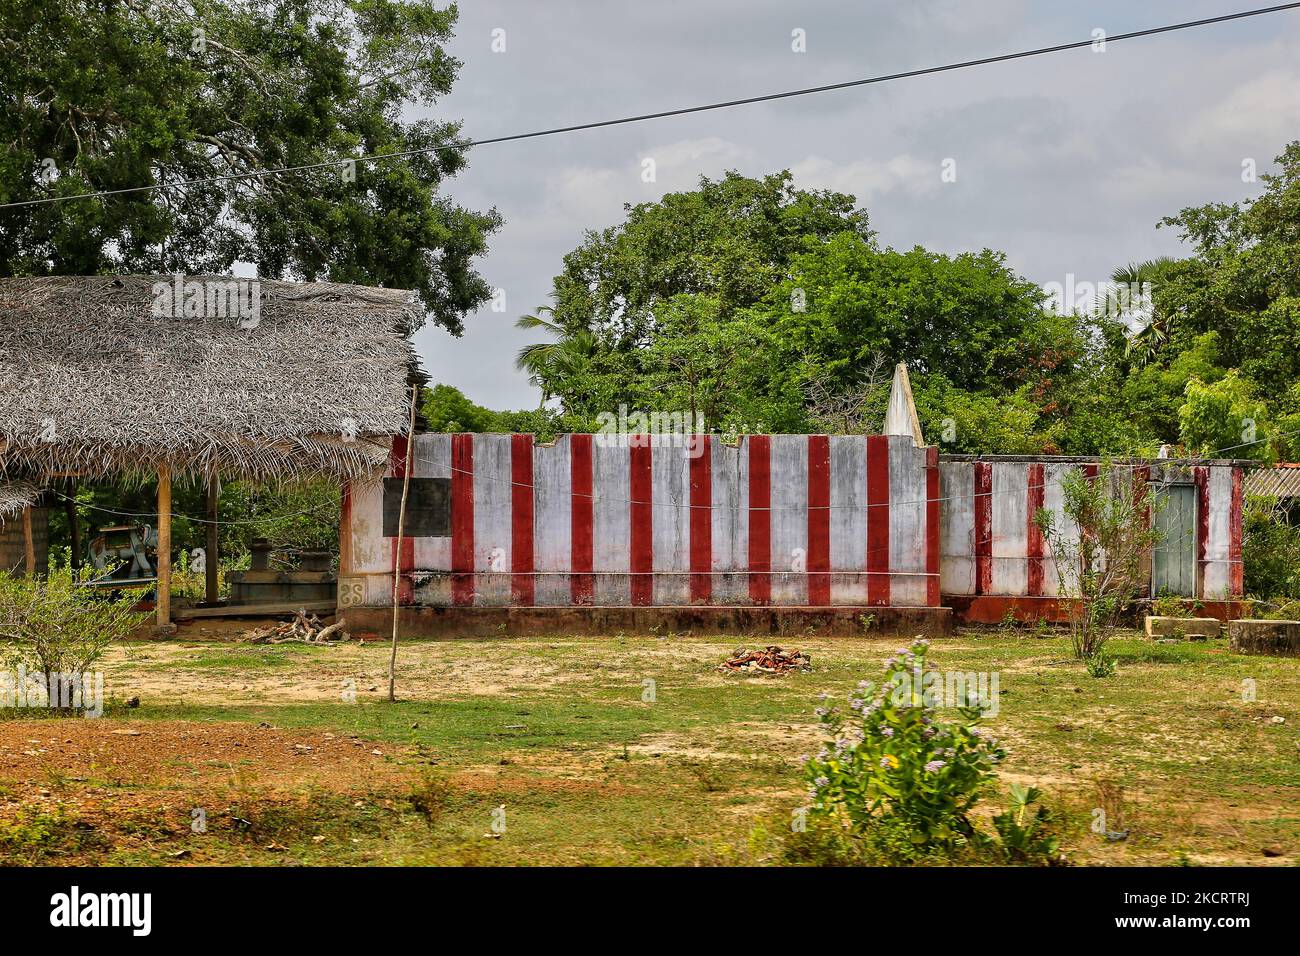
{"x": 210, "y": 550}
{"x": 164, "y": 587}
{"x": 29, "y": 542}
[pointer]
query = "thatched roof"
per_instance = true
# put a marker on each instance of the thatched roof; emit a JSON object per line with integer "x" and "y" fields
{"x": 15, "y": 497}
{"x": 93, "y": 381}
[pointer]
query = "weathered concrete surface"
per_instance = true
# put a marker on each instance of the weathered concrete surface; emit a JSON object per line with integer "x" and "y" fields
{"x": 995, "y": 608}
{"x": 1190, "y": 628}
{"x": 1278, "y": 638}
{"x": 482, "y": 621}
{"x": 790, "y": 520}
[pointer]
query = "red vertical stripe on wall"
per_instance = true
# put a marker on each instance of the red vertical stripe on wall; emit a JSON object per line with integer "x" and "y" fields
{"x": 1142, "y": 478}
{"x": 642, "y": 522}
{"x": 1034, "y": 534}
{"x": 581, "y": 582}
{"x": 1202, "y": 525}
{"x": 983, "y": 527}
{"x": 403, "y": 558}
{"x": 760, "y": 519}
{"x": 1141, "y": 501}
{"x": 1236, "y": 570}
{"x": 932, "y": 527}
{"x": 462, "y": 519}
{"x": 701, "y": 520}
{"x": 878, "y": 520}
{"x": 523, "y": 588}
{"x": 819, "y": 520}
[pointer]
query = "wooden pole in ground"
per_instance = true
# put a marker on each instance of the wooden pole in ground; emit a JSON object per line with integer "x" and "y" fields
{"x": 164, "y": 588}
{"x": 397, "y": 559}
{"x": 210, "y": 550}
{"x": 29, "y": 542}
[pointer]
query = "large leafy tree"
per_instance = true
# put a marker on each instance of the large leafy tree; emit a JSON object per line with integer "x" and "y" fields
{"x": 1243, "y": 283}
{"x": 117, "y": 94}
{"x": 732, "y": 239}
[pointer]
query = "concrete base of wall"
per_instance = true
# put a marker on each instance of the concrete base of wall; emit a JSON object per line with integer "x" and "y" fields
{"x": 1278, "y": 638}
{"x": 780, "y": 622}
{"x": 994, "y": 608}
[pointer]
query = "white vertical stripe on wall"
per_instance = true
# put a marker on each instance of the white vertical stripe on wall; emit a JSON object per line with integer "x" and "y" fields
{"x": 1218, "y": 579}
{"x": 1010, "y": 509}
{"x": 552, "y": 521}
{"x": 729, "y": 468}
{"x": 493, "y": 514}
{"x": 789, "y": 518}
{"x": 1054, "y": 477}
{"x": 671, "y": 524}
{"x": 371, "y": 552}
{"x": 849, "y": 519}
{"x": 611, "y": 522}
{"x": 957, "y": 526}
{"x": 906, "y": 522}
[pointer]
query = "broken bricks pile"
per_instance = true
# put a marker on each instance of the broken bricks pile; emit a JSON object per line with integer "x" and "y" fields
{"x": 771, "y": 660}
{"x": 304, "y": 628}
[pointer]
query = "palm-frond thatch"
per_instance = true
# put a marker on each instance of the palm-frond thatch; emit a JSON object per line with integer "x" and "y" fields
{"x": 93, "y": 382}
{"x": 15, "y": 497}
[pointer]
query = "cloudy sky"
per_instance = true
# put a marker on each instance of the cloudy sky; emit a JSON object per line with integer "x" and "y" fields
{"x": 1064, "y": 162}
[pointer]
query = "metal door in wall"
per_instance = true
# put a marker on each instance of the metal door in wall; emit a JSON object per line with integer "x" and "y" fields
{"x": 1173, "y": 565}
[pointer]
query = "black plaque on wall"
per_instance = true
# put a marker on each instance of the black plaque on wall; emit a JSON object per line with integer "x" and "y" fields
{"x": 428, "y": 507}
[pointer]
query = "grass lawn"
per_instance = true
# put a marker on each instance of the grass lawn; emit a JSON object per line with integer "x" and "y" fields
{"x": 291, "y": 754}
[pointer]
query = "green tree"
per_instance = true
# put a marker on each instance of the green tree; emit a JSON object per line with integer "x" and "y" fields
{"x": 130, "y": 93}
{"x": 1132, "y": 300}
{"x": 1224, "y": 419}
{"x": 563, "y": 360}
{"x": 732, "y": 239}
{"x": 1244, "y": 280}
{"x": 734, "y": 372}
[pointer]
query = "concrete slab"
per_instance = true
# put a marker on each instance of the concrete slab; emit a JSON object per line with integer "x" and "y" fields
{"x": 1277, "y": 638}
{"x": 1188, "y": 628}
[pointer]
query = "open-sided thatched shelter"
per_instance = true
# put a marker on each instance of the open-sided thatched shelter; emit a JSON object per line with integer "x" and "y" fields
{"x": 107, "y": 376}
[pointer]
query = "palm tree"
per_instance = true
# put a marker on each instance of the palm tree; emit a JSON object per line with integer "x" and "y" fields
{"x": 1130, "y": 300}
{"x": 547, "y": 362}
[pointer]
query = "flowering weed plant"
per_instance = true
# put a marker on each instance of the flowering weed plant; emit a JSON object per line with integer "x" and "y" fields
{"x": 893, "y": 765}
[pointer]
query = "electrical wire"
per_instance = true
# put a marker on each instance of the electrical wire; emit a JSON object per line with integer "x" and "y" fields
{"x": 664, "y": 114}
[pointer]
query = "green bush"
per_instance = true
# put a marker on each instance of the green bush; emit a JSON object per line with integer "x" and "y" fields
{"x": 1270, "y": 552}
{"x": 893, "y": 766}
{"x": 57, "y": 625}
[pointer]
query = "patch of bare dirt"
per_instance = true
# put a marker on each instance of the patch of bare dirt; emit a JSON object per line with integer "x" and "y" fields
{"x": 36, "y": 754}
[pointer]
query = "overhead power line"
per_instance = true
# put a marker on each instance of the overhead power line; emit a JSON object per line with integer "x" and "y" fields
{"x": 664, "y": 114}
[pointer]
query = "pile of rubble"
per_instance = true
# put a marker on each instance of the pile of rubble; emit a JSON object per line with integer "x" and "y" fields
{"x": 304, "y": 628}
{"x": 771, "y": 660}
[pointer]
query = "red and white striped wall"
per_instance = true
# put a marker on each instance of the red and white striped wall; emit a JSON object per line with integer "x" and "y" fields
{"x": 798, "y": 520}
{"x": 991, "y": 544}
{"x": 785, "y": 520}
